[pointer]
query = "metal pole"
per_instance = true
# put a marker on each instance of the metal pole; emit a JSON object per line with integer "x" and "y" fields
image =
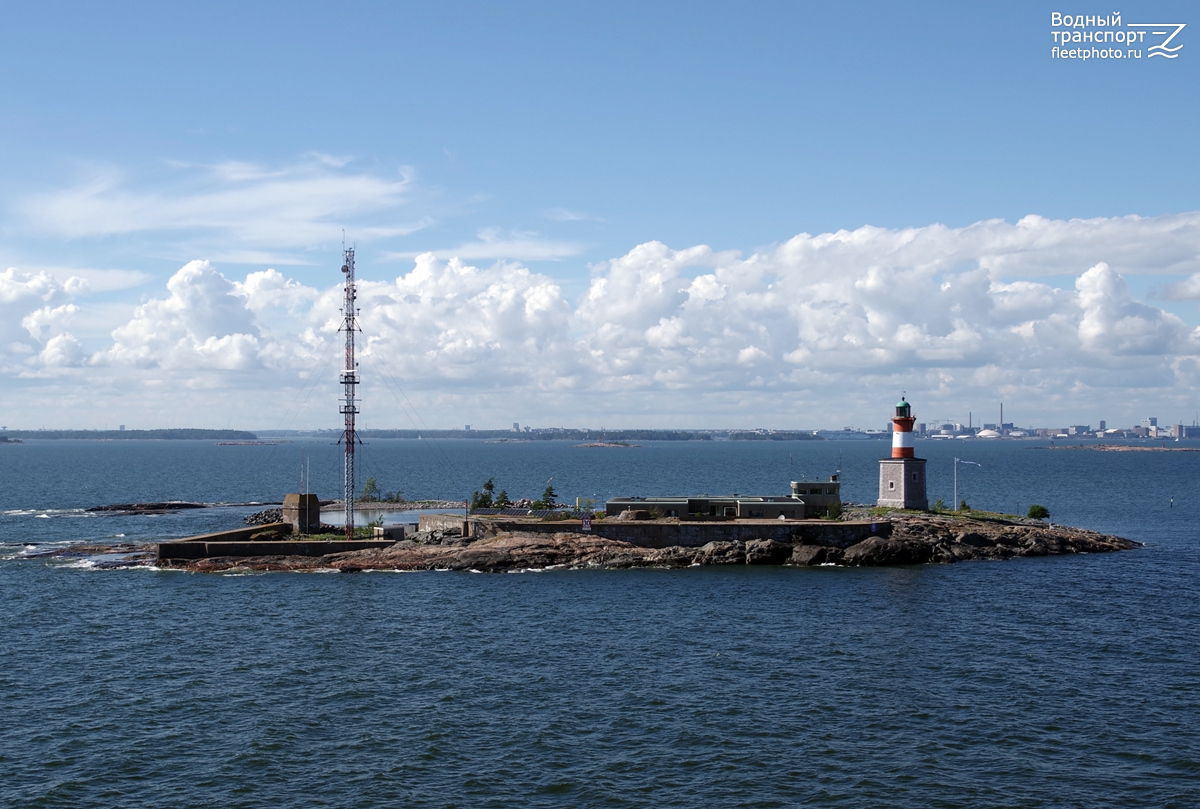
{"x": 956, "y": 463}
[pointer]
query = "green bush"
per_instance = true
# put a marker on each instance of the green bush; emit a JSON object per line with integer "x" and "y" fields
{"x": 1038, "y": 512}
{"x": 962, "y": 505}
{"x": 939, "y": 505}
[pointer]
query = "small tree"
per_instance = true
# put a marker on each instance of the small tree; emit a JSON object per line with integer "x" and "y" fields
{"x": 370, "y": 491}
{"x": 550, "y": 497}
{"x": 1038, "y": 512}
{"x": 549, "y": 500}
{"x": 502, "y": 500}
{"x": 483, "y": 499}
{"x": 939, "y": 505}
{"x": 962, "y": 505}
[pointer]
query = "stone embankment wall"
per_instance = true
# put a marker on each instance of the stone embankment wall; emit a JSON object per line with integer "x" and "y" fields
{"x": 443, "y": 522}
{"x": 668, "y": 534}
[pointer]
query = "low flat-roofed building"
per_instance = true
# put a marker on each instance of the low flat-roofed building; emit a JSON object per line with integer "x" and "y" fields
{"x": 809, "y": 499}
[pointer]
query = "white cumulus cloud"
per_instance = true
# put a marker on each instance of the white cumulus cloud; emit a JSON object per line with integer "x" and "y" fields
{"x": 35, "y": 310}
{"x": 203, "y": 323}
{"x": 449, "y": 321}
{"x": 813, "y": 332}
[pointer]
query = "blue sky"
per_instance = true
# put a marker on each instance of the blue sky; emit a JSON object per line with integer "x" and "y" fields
{"x": 554, "y": 140}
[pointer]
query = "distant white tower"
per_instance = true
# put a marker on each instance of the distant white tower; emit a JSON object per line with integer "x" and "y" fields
{"x": 902, "y": 476}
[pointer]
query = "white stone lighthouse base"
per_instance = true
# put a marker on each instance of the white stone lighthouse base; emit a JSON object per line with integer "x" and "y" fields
{"x": 902, "y": 483}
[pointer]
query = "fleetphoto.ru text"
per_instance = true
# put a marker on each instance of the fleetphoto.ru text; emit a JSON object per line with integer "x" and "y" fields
{"x": 1094, "y": 36}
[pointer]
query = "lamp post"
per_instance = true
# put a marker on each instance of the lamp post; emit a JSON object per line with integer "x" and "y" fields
{"x": 957, "y": 461}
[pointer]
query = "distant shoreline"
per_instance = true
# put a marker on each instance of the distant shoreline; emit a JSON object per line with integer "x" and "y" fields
{"x": 173, "y": 434}
{"x": 589, "y": 438}
{"x": 1121, "y": 448}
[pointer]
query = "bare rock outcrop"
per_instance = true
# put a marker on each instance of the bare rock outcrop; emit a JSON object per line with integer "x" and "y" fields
{"x": 886, "y": 551}
{"x": 767, "y": 552}
{"x": 944, "y": 539}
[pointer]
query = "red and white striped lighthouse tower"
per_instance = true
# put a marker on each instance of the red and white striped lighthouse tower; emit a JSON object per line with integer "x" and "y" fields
{"x": 902, "y": 435}
{"x": 902, "y": 476}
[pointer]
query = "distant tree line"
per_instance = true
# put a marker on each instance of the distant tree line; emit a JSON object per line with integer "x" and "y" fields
{"x": 547, "y": 435}
{"x": 598, "y": 435}
{"x": 186, "y": 434}
{"x": 773, "y": 435}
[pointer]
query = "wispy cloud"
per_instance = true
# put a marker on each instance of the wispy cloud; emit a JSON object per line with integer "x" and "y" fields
{"x": 563, "y": 215}
{"x": 249, "y": 205}
{"x": 96, "y": 280}
{"x": 493, "y": 243}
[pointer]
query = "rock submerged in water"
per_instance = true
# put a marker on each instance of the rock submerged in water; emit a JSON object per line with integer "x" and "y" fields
{"x": 164, "y": 507}
{"x": 914, "y": 539}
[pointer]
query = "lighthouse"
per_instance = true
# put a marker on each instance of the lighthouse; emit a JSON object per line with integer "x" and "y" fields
{"x": 902, "y": 476}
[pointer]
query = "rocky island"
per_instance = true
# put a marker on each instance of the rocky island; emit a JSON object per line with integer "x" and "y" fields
{"x": 901, "y": 538}
{"x": 809, "y": 527}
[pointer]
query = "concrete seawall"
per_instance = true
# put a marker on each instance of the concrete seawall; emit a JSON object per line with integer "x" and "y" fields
{"x": 238, "y": 542}
{"x": 666, "y": 534}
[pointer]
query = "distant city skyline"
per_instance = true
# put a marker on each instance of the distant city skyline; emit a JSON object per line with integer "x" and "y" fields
{"x": 771, "y": 215}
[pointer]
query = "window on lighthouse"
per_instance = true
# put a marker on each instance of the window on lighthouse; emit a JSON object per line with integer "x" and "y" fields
{"x": 891, "y": 484}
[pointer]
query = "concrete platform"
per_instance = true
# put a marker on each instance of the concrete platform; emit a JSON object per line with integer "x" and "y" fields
{"x": 238, "y": 542}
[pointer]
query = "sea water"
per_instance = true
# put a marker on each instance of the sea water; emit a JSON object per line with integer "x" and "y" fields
{"x": 1059, "y": 681}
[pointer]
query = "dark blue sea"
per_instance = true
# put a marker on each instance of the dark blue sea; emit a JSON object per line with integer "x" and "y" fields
{"x": 1051, "y": 682}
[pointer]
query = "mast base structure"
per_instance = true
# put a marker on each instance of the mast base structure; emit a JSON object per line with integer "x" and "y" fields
{"x": 348, "y": 380}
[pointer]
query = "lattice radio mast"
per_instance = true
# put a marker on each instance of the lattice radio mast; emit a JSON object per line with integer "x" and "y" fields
{"x": 349, "y": 379}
